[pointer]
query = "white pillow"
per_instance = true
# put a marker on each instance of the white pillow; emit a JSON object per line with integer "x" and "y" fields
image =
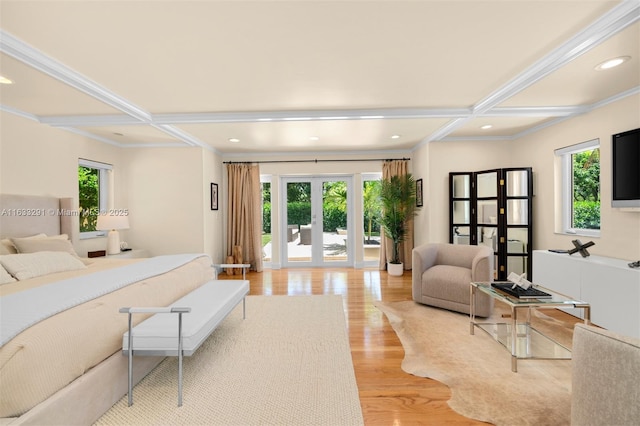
{"x": 5, "y": 277}
{"x": 31, "y": 265}
{"x": 7, "y": 247}
{"x": 32, "y": 245}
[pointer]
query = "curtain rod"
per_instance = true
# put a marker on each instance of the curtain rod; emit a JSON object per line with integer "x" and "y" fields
{"x": 313, "y": 161}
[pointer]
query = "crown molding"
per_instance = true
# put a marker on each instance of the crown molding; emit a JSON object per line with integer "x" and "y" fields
{"x": 615, "y": 20}
{"x": 18, "y": 112}
{"x": 609, "y": 24}
{"x": 34, "y": 58}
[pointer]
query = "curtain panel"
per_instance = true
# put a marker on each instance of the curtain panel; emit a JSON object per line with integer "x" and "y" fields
{"x": 396, "y": 168}
{"x": 244, "y": 213}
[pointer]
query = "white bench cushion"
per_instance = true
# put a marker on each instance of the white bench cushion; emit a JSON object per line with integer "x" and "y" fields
{"x": 209, "y": 303}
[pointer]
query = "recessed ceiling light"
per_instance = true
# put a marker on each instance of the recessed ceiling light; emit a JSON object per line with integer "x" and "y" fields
{"x": 610, "y": 63}
{"x": 395, "y": 137}
{"x": 486, "y": 126}
{"x": 5, "y": 80}
{"x": 234, "y": 140}
{"x": 314, "y": 138}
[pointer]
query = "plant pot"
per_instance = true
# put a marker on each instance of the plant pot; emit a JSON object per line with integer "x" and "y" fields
{"x": 395, "y": 269}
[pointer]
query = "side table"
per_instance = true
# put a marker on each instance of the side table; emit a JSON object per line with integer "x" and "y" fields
{"x": 244, "y": 266}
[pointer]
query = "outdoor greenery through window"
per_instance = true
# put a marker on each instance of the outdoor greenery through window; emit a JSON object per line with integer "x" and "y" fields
{"x": 92, "y": 194}
{"x": 581, "y": 187}
{"x": 586, "y": 189}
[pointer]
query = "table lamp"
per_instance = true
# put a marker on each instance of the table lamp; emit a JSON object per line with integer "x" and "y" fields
{"x": 112, "y": 224}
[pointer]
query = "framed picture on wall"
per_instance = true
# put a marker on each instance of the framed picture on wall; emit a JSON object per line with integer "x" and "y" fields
{"x": 419, "y": 193}
{"x": 214, "y": 196}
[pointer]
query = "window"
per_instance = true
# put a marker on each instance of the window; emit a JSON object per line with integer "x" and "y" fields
{"x": 265, "y": 184}
{"x": 371, "y": 217}
{"x": 93, "y": 190}
{"x": 581, "y": 188}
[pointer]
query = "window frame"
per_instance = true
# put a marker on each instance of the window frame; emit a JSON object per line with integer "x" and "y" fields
{"x": 104, "y": 171}
{"x": 565, "y": 154}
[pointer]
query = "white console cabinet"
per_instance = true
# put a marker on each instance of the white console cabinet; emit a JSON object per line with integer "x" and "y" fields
{"x": 609, "y": 285}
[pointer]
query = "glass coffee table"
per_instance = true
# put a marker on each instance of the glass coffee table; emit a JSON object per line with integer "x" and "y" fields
{"x": 519, "y": 337}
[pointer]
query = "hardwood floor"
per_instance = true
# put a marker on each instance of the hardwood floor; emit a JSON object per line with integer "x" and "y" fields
{"x": 388, "y": 395}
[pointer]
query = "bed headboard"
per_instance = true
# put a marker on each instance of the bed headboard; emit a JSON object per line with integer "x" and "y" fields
{"x": 25, "y": 215}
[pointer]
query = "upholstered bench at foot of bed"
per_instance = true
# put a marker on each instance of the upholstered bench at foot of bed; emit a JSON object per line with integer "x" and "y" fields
{"x": 194, "y": 318}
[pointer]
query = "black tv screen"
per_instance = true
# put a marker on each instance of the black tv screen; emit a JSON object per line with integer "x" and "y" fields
{"x": 626, "y": 169}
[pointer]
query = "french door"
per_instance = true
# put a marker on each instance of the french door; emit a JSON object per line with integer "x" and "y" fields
{"x": 315, "y": 222}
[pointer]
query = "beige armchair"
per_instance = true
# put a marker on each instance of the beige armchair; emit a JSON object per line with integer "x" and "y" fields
{"x": 605, "y": 389}
{"x": 442, "y": 274}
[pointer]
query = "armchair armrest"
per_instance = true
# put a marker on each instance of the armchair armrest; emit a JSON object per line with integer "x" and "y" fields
{"x": 423, "y": 257}
{"x": 482, "y": 266}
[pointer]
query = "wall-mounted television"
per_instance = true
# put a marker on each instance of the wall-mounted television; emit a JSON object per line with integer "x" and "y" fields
{"x": 625, "y": 150}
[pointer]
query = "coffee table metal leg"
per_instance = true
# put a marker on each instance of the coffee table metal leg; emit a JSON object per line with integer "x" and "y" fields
{"x": 514, "y": 336}
{"x": 472, "y": 309}
{"x": 587, "y": 314}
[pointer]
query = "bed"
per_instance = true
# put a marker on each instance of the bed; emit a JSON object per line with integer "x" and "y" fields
{"x": 67, "y": 368}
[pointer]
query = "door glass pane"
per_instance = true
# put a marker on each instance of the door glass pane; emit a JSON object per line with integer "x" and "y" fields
{"x": 488, "y": 236}
{"x": 517, "y": 212}
{"x": 334, "y": 218}
{"x": 517, "y": 185}
{"x": 488, "y": 212}
{"x": 517, "y": 264}
{"x": 299, "y": 221}
{"x": 487, "y": 185}
{"x": 371, "y": 213}
{"x": 461, "y": 186}
{"x": 266, "y": 222}
{"x": 462, "y": 212}
{"x": 518, "y": 240}
{"x": 461, "y": 235}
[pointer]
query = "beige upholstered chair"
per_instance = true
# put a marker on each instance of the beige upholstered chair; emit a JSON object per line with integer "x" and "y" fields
{"x": 605, "y": 389}
{"x": 442, "y": 274}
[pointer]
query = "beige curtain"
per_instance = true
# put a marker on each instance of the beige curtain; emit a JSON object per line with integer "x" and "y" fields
{"x": 396, "y": 168}
{"x": 244, "y": 213}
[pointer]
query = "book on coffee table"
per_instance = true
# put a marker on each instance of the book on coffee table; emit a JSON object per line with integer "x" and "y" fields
{"x": 519, "y": 292}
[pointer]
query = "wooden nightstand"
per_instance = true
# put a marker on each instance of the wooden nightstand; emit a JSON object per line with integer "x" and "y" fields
{"x": 131, "y": 254}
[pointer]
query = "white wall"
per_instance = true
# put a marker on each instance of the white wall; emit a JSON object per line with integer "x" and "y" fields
{"x": 168, "y": 195}
{"x": 166, "y": 190}
{"x": 213, "y": 230}
{"x": 433, "y": 162}
{"x": 619, "y": 230}
{"x": 42, "y": 160}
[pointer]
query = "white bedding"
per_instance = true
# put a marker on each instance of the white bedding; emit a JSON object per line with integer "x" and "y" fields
{"x": 22, "y": 310}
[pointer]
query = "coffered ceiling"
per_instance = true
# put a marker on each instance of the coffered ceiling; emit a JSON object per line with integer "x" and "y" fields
{"x": 312, "y": 76}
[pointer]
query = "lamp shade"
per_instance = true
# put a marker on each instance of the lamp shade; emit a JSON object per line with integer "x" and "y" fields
{"x": 110, "y": 222}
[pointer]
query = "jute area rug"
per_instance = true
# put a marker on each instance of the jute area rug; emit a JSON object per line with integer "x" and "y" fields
{"x": 477, "y": 369}
{"x": 288, "y": 363}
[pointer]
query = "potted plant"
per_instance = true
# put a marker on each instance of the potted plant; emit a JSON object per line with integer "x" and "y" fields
{"x": 398, "y": 199}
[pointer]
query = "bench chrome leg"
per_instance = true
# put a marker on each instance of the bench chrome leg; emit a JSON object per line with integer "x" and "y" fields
{"x": 244, "y": 308}
{"x": 180, "y": 360}
{"x": 130, "y": 367}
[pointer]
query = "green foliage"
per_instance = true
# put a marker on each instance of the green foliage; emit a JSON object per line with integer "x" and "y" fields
{"x": 398, "y": 197}
{"x": 299, "y": 191}
{"x": 298, "y": 212}
{"x": 371, "y": 207}
{"x": 333, "y": 217}
{"x": 266, "y": 218}
{"x": 89, "y": 197}
{"x": 586, "y": 189}
{"x": 586, "y": 214}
